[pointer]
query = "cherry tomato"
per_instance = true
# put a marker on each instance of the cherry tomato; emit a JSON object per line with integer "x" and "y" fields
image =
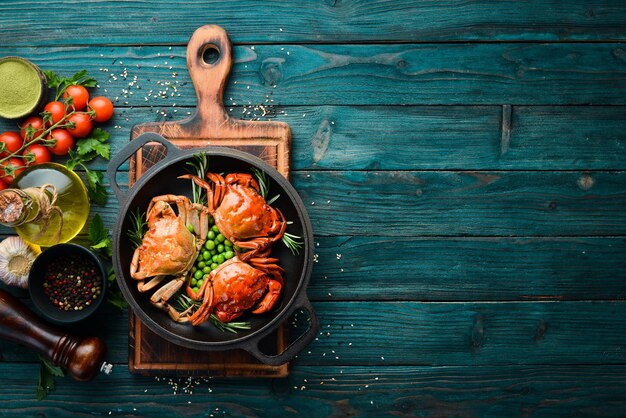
{"x": 57, "y": 111}
{"x": 13, "y": 142}
{"x": 103, "y": 108}
{"x": 83, "y": 125}
{"x": 3, "y": 184}
{"x": 80, "y": 96}
{"x": 34, "y": 121}
{"x": 17, "y": 163}
{"x": 41, "y": 153}
{"x": 64, "y": 142}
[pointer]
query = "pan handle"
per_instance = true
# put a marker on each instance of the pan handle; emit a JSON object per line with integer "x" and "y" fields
{"x": 295, "y": 347}
{"x": 131, "y": 148}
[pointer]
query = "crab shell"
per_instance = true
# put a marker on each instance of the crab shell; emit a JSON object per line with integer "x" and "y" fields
{"x": 168, "y": 247}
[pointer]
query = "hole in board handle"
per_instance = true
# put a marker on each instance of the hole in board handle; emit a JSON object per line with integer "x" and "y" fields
{"x": 210, "y": 54}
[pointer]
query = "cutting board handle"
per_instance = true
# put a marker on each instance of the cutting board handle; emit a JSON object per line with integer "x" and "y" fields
{"x": 209, "y": 59}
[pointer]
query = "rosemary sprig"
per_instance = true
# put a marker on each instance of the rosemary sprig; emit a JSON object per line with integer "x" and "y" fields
{"x": 138, "y": 227}
{"x": 190, "y": 305}
{"x": 199, "y": 167}
{"x": 229, "y": 326}
{"x": 263, "y": 180}
{"x": 293, "y": 242}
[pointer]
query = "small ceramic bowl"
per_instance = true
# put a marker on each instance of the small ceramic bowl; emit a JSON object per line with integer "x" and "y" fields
{"x": 23, "y": 87}
{"x": 36, "y": 278}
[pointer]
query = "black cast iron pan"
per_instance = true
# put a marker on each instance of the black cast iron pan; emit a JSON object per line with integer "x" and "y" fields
{"x": 162, "y": 179}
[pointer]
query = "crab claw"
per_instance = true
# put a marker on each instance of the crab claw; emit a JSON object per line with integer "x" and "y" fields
{"x": 270, "y": 298}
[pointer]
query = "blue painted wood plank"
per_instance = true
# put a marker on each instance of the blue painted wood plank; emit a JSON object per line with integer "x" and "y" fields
{"x": 167, "y": 21}
{"x": 413, "y": 204}
{"x": 404, "y": 74}
{"x": 431, "y": 137}
{"x": 353, "y": 268}
{"x": 335, "y": 391}
{"x": 378, "y": 334}
{"x": 450, "y": 203}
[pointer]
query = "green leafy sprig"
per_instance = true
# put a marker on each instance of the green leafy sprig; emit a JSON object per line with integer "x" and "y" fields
{"x": 199, "y": 167}
{"x": 291, "y": 241}
{"x": 62, "y": 83}
{"x": 47, "y": 372}
{"x": 101, "y": 243}
{"x": 87, "y": 149}
{"x": 138, "y": 227}
{"x": 190, "y": 305}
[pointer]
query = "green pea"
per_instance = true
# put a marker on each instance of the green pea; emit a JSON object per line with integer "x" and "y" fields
{"x": 201, "y": 265}
{"x": 220, "y": 248}
{"x": 211, "y": 235}
{"x": 206, "y": 270}
{"x": 209, "y": 245}
{"x": 206, "y": 255}
{"x": 200, "y": 283}
{"x": 193, "y": 269}
{"x": 195, "y": 290}
{"x": 214, "y": 258}
{"x": 214, "y": 229}
{"x": 194, "y": 282}
{"x": 198, "y": 275}
{"x": 220, "y": 238}
{"x": 214, "y": 266}
{"x": 220, "y": 258}
{"x": 190, "y": 228}
{"x": 228, "y": 255}
{"x": 206, "y": 276}
{"x": 213, "y": 252}
{"x": 228, "y": 243}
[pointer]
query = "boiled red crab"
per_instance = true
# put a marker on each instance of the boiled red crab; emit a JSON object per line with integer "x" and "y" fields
{"x": 236, "y": 286}
{"x": 169, "y": 248}
{"x": 241, "y": 213}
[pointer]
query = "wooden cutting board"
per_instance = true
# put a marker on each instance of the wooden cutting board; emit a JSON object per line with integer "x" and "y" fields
{"x": 209, "y": 60}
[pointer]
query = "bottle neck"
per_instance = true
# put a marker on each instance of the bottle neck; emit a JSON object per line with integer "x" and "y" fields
{"x": 17, "y": 207}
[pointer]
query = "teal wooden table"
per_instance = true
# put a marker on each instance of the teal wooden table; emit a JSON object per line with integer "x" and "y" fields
{"x": 463, "y": 166}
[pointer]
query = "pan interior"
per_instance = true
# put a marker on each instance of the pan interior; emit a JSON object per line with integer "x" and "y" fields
{"x": 165, "y": 181}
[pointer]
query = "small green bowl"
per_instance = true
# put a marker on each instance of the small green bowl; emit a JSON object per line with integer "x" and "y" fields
{"x": 23, "y": 87}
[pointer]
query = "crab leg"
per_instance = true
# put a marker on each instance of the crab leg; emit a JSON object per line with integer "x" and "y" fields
{"x": 142, "y": 286}
{"x": 204, "y": 311}
{"x": 270, "y": 298}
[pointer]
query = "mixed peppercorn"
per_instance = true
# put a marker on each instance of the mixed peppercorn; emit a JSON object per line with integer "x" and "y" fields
{"x": 72, "y": 284}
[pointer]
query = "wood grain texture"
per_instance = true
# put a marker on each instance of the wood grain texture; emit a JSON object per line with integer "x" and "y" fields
{"x": 376, "y": 334}
{"x": 450, "y": 203}
{"x": 170, "y": 21}
{"x": 353, "y": 268}
{"x": 541, "y": 391}
{"x": 408, "y": 74}
{"x": 464, "y": 269}
{"x": 412, "y": 204}
{"x": 431, "y": 137}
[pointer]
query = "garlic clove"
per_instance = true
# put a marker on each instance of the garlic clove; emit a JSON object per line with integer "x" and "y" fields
{"x": 16, "y": 259}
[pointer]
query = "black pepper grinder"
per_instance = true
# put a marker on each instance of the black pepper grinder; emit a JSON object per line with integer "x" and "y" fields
{"x": 81, "y": 357}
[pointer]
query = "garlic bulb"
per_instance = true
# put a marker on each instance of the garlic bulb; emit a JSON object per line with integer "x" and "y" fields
{"x": 16, "y": 259}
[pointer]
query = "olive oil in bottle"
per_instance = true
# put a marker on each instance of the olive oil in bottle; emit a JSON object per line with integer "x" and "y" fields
{"x": 47, "y": 204}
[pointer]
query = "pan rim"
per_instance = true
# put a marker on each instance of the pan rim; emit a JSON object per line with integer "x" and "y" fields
{"x": 307, "y": 232}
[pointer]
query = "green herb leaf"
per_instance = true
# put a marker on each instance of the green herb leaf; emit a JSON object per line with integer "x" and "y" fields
{"x": 199, "y": 167}
{"x": 263, "y": 180}
{"x": 138, "y": 227}
{"x": 96, "y": 145}
{"x": 95, "y": 189}
{"x": 293, "y": 242}
{"x": 116, "y": 299}
{"x": 47, "y": 372}
{"x": 54, "y": 80}
{"x": 99, "y": 236}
